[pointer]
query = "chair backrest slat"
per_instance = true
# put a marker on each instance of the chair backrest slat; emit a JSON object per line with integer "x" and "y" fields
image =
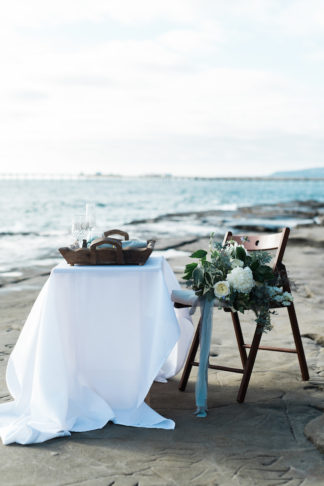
{"x": 276, "y": 241}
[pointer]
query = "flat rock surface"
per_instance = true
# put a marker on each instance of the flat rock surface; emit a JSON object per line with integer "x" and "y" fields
{"x": 314, "y": 430}
{"x": 269, "y": 440}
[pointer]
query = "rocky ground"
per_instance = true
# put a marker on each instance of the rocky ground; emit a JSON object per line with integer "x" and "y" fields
{"x": 275, "y": 438}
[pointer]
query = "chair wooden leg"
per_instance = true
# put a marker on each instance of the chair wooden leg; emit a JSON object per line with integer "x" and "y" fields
{"x": 239, "y": 337}
{"x": 298, "y": 342}
{"x": 249, "y": 364}
{"x": 191, "y": 357}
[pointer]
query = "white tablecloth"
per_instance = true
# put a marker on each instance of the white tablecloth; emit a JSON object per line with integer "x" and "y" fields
{"x": 94, "y": 341}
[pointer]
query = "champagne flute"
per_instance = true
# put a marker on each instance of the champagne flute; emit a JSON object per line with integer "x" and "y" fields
{"x": 80, "y": 228}
{"x": 76, "y": 228}
{"x": 90, "y": 218}
{"x": 84, "y": 230}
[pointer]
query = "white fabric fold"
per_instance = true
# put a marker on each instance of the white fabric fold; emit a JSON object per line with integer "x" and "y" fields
{"x": 93, "y": 343}
{"x": 184, "y": 297}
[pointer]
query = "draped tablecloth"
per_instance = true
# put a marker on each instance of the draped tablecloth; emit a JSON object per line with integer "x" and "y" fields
{"x": 93, "y": 343}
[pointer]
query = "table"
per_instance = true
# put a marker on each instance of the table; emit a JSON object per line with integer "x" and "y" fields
{"x": 92, "y": 345}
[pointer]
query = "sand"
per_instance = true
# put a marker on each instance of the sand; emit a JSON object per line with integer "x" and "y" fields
{"x": 275, "y": 438}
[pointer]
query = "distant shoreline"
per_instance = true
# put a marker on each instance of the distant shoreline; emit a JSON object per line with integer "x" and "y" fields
{"x": 84, "y": 177}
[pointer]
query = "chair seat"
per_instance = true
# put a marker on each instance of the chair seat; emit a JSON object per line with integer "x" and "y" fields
{"x": 184, "y": 297}
{"x": 188, "y": 298}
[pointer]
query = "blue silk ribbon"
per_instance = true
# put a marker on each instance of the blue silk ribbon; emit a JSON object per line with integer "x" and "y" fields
{"x": 206, "y": 306}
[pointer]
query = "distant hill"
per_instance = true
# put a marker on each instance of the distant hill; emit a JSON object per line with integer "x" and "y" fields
{"x": 315, "y": 172}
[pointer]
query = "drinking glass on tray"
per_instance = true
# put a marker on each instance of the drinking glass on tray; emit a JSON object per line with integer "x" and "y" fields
{"x": 79, "y": 229}
{"x": 90, "y": 219}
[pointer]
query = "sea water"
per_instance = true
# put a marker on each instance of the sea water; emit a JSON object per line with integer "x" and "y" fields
{"x": 35, "y": 216}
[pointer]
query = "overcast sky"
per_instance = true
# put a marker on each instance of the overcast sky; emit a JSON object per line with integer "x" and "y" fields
{"x": 206, "y": 87}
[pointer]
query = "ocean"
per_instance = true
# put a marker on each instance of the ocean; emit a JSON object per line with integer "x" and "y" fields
{"x": 35, "y": 216}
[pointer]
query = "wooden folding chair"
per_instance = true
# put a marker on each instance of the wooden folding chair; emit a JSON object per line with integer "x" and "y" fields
{"x": 277, "y": 241}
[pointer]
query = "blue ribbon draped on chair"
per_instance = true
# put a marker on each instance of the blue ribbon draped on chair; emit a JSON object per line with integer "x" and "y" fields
{"x": 206, "y": 306}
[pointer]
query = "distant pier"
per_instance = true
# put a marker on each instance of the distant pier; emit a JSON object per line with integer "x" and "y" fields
{"x": 26, "y": 176}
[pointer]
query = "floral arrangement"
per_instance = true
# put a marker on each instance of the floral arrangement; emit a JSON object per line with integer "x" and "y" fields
{"x": 237, "y": 280}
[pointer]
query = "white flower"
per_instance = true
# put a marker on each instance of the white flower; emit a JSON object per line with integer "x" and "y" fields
{"x": 236, "y": 262}
{"x": 230, "y": 247}
{"x": 221, "y": 289}
{"x": 241, "y": 279}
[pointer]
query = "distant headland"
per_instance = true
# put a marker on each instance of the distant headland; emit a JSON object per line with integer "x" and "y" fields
{"x": 314, "y": 173}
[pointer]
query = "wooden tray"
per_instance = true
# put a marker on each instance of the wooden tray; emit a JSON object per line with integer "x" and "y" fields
{"x": 108, "y": 256}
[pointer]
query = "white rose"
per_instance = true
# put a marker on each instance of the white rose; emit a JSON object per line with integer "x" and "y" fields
{"x": 241, "y": 279}
{"x": 236, "y": 262}
{"x": 221, "y": 289}
{"x": 229, "y": 248}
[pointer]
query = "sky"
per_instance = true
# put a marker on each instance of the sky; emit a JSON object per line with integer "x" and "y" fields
{"x": 186, "y": 87}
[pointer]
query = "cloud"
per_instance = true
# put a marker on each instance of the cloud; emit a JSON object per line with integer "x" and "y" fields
{"x": 34, "y": 12}
{"x": 291, "y": 18}
{"x": 184, "y": 82}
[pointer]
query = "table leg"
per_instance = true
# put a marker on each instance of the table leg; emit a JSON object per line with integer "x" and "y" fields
{"x": 148, "y": 398}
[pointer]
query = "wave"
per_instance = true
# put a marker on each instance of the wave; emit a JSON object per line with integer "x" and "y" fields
{"x": 32, "y": 233}
{"x": 18, "y": 233}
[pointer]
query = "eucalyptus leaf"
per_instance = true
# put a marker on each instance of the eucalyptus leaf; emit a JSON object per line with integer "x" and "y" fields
{"x": 248, "y": 261}
{"x": 190, "y": 268}
{"x": 199, "y": 254}
{"x": 208, "y": 279}
{"x": 198, "y": 276}
{"x": 254, "y": 265}
{"x": 263, "y": 273}
{"x": 240, "y": 253}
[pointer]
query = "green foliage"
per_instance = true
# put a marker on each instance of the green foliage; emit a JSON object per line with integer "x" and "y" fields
{"x": 199, "y": 254}
{"x": 240, "y": 253}
{"x": 189, "y": 269}
{"x": 198, "y": 276}
{"x": 202, "y": 276}
{"x": 218, "y": 246}
{"x": 262, "y": 273}
{"x": 262, "y": 257}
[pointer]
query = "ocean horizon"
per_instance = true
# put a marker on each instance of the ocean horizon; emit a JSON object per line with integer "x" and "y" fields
{"x": 103, "y": 176}
{"x": 36, "y": 214}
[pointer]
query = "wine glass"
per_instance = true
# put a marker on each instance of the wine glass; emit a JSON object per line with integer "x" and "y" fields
{"x": 79, "y": 228}
{"x": 84, "y": 230}
{"x": 75, "y": 229}
{"x": 90, "y": 218}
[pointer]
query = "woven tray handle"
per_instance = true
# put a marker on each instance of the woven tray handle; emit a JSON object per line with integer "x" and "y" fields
{"x": 117, "y": 232}
{"x": 112, "y": 241}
